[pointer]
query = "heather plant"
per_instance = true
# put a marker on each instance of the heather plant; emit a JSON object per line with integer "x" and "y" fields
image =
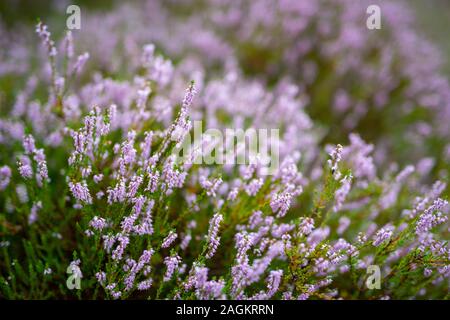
{"x": 92, "y": 188}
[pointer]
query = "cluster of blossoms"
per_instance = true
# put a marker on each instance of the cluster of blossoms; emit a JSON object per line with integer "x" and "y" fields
{"x": 116, "y": 204}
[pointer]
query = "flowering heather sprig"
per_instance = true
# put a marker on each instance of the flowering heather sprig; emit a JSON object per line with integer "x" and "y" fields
{"x": 123, "y": 240}
{"x": 171, "y": 263}
{"x": 81, "y": 61}
{"x": 273, "y": 282}
{"x": 253, "y": 186}
{"x": 233, "y": 194}
{"x": 280, "y": 203}
{"x": 342, "y": 192}
{"x": 432, "y": 216}
{"x": 118, "y": 193}
{"x": 97, "y": 223}
{"x": 182, "y": 124}
{"x": 115, "y": 293}
{"x": 101, "y": 277}
{"x": 145, "y": 227}
{"x": 128, "y": 152}
{"x": 32, "y": 218}
{"x": 75, "y": 268}
{"x": 210, "y": 186}
{"x": 212, "y": 238}
{"x": 306, "y": 226}
{"x": 134, "y": 185}
{"x": 42, "y": 171}
{"x": 171, "y": 237}
{"x": 143, "y": 261}
{"x": 80, "y": 192}
{"x": 344, "y": 223}
{"x": 153, "y": 181}
{"x": 25, "y": 169}
{"x": 336, "y": 156}
{"x": 5, "y": 177}
{"x": 44, "y": 34}
{"x": 29, "y": 144}
{"x": 382, "y": 235}
{"x": 204, "y": 289}
{"x": 68, "y": 44}
{"x": 390, "y": 195}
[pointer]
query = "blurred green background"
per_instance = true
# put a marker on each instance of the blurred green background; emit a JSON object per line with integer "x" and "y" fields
{"x": 433, "y": 19}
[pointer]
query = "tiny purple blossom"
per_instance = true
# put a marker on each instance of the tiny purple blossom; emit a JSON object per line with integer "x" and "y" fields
{"x": 382, "y": 235}
{"x": 98, "y": 223}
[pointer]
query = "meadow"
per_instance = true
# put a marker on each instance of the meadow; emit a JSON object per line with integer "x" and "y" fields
{"x": 96, "y": 204}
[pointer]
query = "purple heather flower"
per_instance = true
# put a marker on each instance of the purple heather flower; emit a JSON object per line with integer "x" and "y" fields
{"x": 142, "y": 97}
{"x": 189, "y": 96}
{"x": 44, "y": 34}
{"x": 145, "y": 284}
{"x": 273, "y": 282}
{"x": 42, "y": 171}
{"x": 127, "y": 223}
{"x": 32, "y": 218}
{"x": 336, "y": 156}
{"x": 134, "y": 185}
{"x": 98, "y": 177}
{"x": 233, "y": 194}
{"x": 171, "y": 237}
{"x": 116, "y": 294}
{"x": 280, "y": 203}
{"x": 80, "y": 191}
{"x": 98, "y": 223}
{"x": 210, "y": 186}
{"x": 318, "y": 235}
{"x": 123, "y": 240}
{"x": 279, "y": 230}
{"x": 81, "y": 61}
{"x": 382, "y": 235}
{"x": 25, "y": 169}
{"x": 255, "y": 220}
{"x": 306, "y": 226}
{"x": 146, "y": 146}
{"x": 22, "y": 194}
{"x": 148, "y": 54}
{"x": 28, "y": 144}
{"x": 344, "y": 222}
{"x": 171, "y": 263}
{"x": 253, "y": 186}
{"x": 146, "y": 224}
{"x": 101, "y": 277}
{"x": 342, "y": 192}
{"x": 432, "y": 216}
{"x": 128, "y": 152}
{"x": 390, "y": 196}
{"x": 68, "y": 44}
{"x": 160, "y": 71}
{"x": 108, "y": 242}
{"x": 212, "y": 238}
{"x": 185, "y": 241}
{"x": 5, "y": 177}
{"x": 153, "y": 181}
{"x": 182, "y": 124}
